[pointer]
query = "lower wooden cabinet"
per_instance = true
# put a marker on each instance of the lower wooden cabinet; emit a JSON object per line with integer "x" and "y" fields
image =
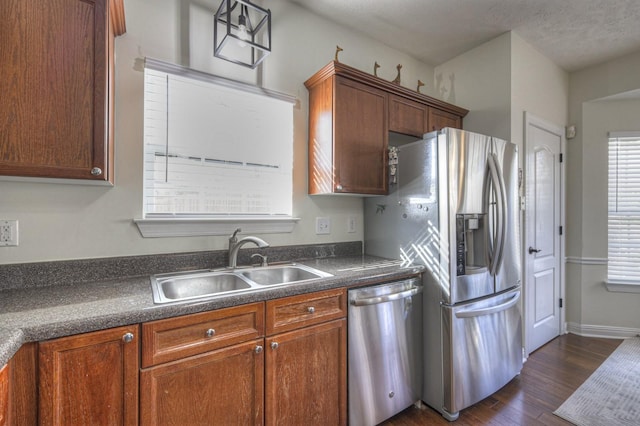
{"x": 201, "y": 372}
{"x": 205, "y": 368}
{"x": 90, "y": 379}
{"x": 4, "y": 395}
{"x": 280, "y": 362}
{"x": 306, "y": 376}
{"x": 224, "y": 387}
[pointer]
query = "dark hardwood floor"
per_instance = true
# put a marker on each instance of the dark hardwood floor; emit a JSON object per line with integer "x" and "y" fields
{"x": 549, "y": 377}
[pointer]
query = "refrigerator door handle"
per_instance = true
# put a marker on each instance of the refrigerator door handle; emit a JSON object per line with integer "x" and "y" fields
{"x": 498, "y": 238}
{"x": 387, "y": 297}
{"x": 491, "y": 310}
{"x": 502, "y": 190}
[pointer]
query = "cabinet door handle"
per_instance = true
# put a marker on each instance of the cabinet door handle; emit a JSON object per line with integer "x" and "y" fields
{"x": 127, "y": 338}
{"x": 274, "y": 345}
{"x": 311, "y": 309}
{"x": 210, "y": 332}
{"x": 96, "y": 171}
{"x": 339, "y": 187}
{"x": 258, "y": 349}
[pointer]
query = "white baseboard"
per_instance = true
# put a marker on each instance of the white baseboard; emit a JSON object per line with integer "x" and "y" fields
{"x": 604, "y": 331}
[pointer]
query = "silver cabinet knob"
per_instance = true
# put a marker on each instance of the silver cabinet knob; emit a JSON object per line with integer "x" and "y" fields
{"x": 274, "y": 345}
{"x": 210, "y": 332}
{"x": 258, "y": 349}
{"x": 311, "y": 309}
{"x": 339, "y": 187}
{"x": 127, "y": 338}
{"x": 96, "y": 171}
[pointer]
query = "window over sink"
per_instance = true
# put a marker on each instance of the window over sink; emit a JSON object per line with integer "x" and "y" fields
{"x": 217, "y": 154}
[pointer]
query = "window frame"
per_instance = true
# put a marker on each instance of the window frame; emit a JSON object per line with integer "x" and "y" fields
{"x": 215, "y": 224}
{"x": 615, "y": 215}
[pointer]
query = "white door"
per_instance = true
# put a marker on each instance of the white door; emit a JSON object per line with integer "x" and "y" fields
{"x": 543, "y": 257}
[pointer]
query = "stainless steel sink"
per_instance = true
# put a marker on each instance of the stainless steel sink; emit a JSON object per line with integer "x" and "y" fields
{"x": 282, "y": 274}
{"x": 183, "y": 286}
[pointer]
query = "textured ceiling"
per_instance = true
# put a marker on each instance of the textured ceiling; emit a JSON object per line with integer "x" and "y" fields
{"x": 572, "y": 33}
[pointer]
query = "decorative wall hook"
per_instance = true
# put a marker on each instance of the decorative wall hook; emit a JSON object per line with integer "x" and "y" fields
{"x": 338, "y": 50}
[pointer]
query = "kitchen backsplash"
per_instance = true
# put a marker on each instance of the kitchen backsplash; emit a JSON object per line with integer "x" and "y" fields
{"x": 70, "y": 272}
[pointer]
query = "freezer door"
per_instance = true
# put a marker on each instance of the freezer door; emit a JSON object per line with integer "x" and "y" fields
{"x": 482, "y": 348}
{"x": 509, "y": 270}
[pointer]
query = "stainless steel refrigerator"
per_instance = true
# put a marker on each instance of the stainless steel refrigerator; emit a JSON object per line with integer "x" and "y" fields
{"x": 454, "y": 208}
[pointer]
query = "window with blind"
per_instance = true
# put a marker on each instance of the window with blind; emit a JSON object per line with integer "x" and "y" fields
{"x": 624, "y": 208}
{"x": 214, "y": 148}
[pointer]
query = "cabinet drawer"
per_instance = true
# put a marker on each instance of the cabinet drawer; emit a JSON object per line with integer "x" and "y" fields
{"x": 300, "y": 311}
{"x": 174, "y": 338}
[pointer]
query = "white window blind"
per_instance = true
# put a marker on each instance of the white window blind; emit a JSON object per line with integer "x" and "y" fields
{"x": 624, "y": 208}
{"x": 213, "y": 147}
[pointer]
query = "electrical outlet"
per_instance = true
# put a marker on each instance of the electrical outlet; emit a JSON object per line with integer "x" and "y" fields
{"x": 351, "y": 224}
{"x": 323, "y": 225}
{"x": 8, "y": 232}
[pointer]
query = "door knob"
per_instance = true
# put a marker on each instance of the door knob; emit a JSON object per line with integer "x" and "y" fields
{"x": 532, "y": 250}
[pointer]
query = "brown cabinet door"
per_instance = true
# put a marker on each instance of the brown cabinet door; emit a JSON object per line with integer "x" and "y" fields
{"x": 224, "y": 387}
{"x": 54, "y": 81}
{"x": 361, "y": 136}
{"x": 407, "y": 117}
{"x": 4, "y": 395}
{"x": 306, "y": 382}
{"x": 439, "y": 119}
{"x": 90, "y": 379}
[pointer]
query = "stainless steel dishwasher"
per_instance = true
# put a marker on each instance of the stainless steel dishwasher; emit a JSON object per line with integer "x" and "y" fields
{"x": 385, "y": 350}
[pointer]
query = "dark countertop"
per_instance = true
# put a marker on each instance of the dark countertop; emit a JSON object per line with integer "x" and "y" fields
{"x": 41, "y": 313}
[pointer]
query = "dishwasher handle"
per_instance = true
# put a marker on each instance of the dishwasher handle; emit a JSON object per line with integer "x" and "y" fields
{"x": 491, "y": 310}
{"x": 387, "y": 297}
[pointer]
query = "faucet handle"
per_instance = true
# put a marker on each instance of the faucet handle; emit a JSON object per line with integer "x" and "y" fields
{"x": 263, "y": 259}
{"x": 233, "y": 237}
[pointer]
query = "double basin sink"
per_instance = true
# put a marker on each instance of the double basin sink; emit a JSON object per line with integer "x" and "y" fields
{"x": 204, "y": 284}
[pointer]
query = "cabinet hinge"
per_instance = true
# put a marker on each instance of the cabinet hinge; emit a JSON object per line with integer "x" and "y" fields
{"x": 561, "y": 302}
{"x": 561, "y": 157}
{"x": 560, "y": 230}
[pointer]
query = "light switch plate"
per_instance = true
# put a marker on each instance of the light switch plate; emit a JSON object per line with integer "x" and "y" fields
{"x": 351, "y": 224}
{"x": 323, "y": 225}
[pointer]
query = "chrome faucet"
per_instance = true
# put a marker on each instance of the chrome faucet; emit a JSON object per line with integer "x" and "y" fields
{"x": 235, "y": 244}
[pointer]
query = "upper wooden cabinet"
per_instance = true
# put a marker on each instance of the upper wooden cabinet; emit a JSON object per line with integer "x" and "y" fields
{"x": 56, "y": 80}
{"x": 407, "y": 117}
{"x": 439, "y": 119}
{"x": 350, "y": 116}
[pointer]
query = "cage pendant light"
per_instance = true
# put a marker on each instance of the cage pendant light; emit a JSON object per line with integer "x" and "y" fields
{"x": 242, "y": 33}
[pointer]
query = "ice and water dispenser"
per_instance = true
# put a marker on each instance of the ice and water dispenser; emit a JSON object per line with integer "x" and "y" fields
{"x": 471, "y": 244}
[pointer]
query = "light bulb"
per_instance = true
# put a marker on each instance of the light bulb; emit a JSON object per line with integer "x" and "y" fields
{"x": 243, "y": 35}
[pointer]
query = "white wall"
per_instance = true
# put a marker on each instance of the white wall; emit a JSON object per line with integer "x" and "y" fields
{"x": 538, "y": 86}
{"x": 68, "y": 221}
{"x": 480, "y": 81}
{"x": 590, "y": 308}
{"x": 599, "y": 307}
